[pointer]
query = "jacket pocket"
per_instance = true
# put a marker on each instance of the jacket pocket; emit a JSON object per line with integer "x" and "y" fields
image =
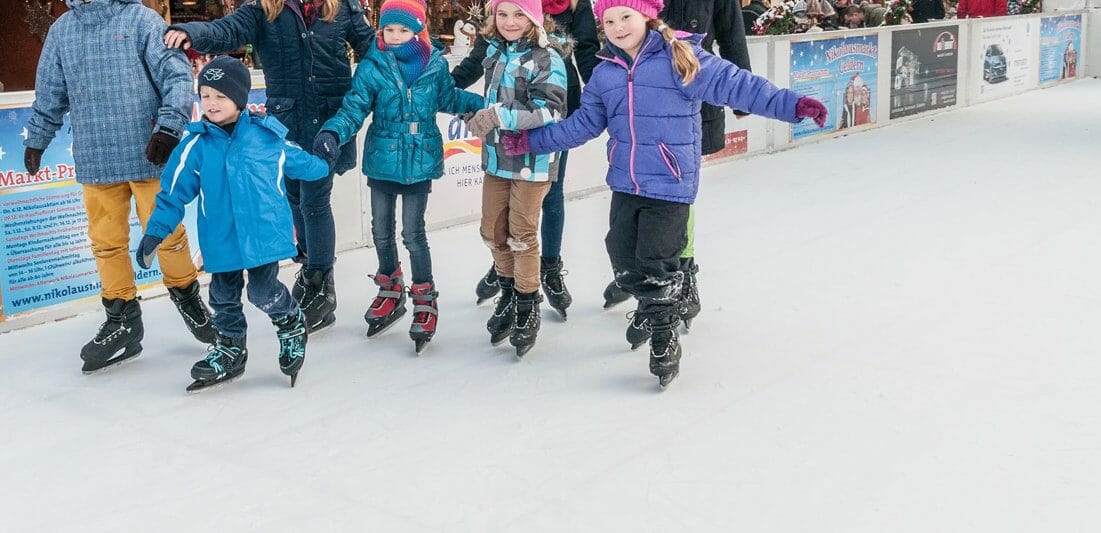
{"x": 283, "y": 110}
{"x": 611, "y": 151}
{"x": 670, "y": 159}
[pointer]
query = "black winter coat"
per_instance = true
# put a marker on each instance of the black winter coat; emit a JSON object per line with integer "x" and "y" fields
{"x": 579, "y": 24}
{"x": 306, "y": 69}
{"x": 926, "y": 10}
{"x": 722, "y": 21}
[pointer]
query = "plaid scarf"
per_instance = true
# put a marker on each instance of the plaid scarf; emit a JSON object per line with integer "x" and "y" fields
{"x": 311, "y": 10}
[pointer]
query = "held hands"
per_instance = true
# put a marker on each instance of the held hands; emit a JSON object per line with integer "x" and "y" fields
{"x": 160, "y": 147}
{"x": 808, "y": 107}
{"x": 327, "y": 146}
{"x": 147, "y": 250}
{"x": 177, "y": 39}
{"x": 32, "y": 159}
{"x": 483, "y": 122}
{"x": 516, "y": 143}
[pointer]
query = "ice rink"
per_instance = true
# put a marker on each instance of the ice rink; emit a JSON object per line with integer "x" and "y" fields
{"x": 900, "y": 332}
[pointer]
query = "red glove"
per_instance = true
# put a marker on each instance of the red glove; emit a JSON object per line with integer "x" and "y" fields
{"x": 808, "y": 107}
{"x": 516, "y": 143}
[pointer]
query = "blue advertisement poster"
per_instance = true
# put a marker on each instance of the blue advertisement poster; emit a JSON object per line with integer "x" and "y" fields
{"x": 45, "y": 256}
{"x": 842, "y": 73}
{"x": 1060, "y": 42}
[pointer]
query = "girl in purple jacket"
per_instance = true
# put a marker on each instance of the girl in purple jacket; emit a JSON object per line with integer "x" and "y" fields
{"x": 647, "y": 93}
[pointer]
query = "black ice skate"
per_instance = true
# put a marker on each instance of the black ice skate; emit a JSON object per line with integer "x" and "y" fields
{"x": 613, "y": 295}
{"x": 293, "y": 334}
{"x": 315, "y": 291}
{"x": 194, "y": 312}
{"x": 119, "y": 338}
{"x": 487, "y": 286}
{"x": 388, "y": 306}
{"x": 638, "y": 329}
{"x": 224, "y": 362}
{"x": 665, "y": 350}
{"x": 526, "y": 327}
{"x": 689, "y": 292}
{"x": 558, "y": 296}
{"x": 425, "y": 313}
{"x": 504, "y": 315}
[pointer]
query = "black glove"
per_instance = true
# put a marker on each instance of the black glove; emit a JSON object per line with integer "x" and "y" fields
{"x": 160, "y": 147}
{"x": 147, "y": 250}
{"x": 327, "y": 146}
{"x": 32, "y": 159}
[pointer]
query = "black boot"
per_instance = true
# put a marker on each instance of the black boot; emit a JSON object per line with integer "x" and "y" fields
{"x": 194, "y": 312}
{"x": 118, "y": 339}
{"x": 293, "y": 335}
{"x": 315, "y": 291}
{"x": 689, "y": 291}
{"x": 665, "y": 350}
{"x": 225, "y": 361}
{"x": 504, "y": 315}
{"x": 613, "y": 295}
{"x": 527, "y": 322}
{"x": 638, "y": 329}
{"x": 550, "y": 273}
{"x": 487, "y": 286}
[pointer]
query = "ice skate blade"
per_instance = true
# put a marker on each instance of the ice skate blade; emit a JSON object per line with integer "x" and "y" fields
{"x": 198, "y": 386}
{"x": 500, "y": 337}
{"x": 420, "y": 344}
{"x": 666, "y": 380}
{"x": 639, "y": 345}
{"x": 374, "y": 331}
{"x": 325, "y": 325}
{"x": 521, "y": 351}
{"x": 561, "y": 313}
{"x": 115, "y": 361}
{"x": 294, "y": 379}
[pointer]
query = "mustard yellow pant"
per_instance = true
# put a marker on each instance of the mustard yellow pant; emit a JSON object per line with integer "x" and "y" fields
{"x": 108, "y": 209}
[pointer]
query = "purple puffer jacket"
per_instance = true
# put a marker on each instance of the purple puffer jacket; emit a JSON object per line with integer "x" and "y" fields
{"x": 653, "y": 119}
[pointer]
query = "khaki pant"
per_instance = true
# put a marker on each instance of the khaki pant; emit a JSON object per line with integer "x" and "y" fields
{"x": 108, "y": 209}
{"x": 510, "y": 227}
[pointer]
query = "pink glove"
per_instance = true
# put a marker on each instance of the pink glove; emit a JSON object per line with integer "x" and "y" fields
{"x": 808, "y": 107}
{"x": 516, "y": 143}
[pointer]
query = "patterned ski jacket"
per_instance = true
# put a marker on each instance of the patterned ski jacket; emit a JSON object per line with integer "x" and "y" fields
{"x": 526, "y": 86}
{"x": 105, "y": 64}
{"x": 653, "y": 118}
{"x": 244, "y": 218}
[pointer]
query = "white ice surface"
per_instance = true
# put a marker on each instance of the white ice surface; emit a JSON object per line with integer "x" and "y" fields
{"x": 900, "y": 333}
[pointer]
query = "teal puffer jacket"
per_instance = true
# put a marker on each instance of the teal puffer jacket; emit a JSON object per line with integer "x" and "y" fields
{"x": 403, "y": 142}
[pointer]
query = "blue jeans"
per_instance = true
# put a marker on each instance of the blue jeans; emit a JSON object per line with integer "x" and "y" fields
{"x": 554, "y": 214}
{"x": 264, "y": 291}
{"x": 413, "y": 237}
{"x": 313, "y": 221}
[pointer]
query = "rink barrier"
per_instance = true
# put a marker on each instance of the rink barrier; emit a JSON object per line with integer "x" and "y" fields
{"x": 886, "y": 84}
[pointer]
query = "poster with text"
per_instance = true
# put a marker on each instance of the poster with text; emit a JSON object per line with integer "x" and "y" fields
{"x": 45, "y": 254}
{"x": 842, "y": 73}
{"x": 1060, "y": 43}
{"x": 924, "y": 68}
{"x": 1003, "y": 58}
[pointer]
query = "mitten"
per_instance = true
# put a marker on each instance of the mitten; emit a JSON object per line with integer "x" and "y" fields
{"x": 484, "y": 121}
{"x": 160, "y": 147}
{"x": 326, "y": 145}
{"x": 32, "y": 159}
{"x": 516, "y": 143}
{"x": 808, "y": 107}
{"x": 147, "y": 250}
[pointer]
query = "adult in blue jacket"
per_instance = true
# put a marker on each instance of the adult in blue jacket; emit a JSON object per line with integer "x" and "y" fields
{"x": 301, "y": 44}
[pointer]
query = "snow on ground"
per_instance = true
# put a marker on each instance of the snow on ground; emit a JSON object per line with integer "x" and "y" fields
{"x": 899, "y": 334}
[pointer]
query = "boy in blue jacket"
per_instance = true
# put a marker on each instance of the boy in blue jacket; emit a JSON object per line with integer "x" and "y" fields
{"x": 235, "y": 163}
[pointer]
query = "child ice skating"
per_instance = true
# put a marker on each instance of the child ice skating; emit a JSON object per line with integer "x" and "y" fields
{"x": 525, "y": 88}
{"x": 235, "y": 163}
{"x": 647, "y": 94}
{"x": 403, "y": 81}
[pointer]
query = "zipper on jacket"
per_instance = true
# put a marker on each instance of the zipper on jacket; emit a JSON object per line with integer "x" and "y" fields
{"x": 631, "y": 111}
{"x": 670, "y": 160}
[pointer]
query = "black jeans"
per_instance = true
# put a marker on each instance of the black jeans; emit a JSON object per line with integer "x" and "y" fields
{"x": 383, "y": 206}
{"x": 264, "y": 291}
{"x": 645, "y": 239}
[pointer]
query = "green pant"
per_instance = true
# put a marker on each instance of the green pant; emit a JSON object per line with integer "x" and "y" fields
{"x": 690, "y": 250}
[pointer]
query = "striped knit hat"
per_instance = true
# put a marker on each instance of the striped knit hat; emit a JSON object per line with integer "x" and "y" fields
{"x": 412, "y": 56}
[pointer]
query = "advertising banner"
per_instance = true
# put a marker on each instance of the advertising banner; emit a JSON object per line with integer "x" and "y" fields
{"x": 924, "y": 67}
{"x": 1060, "y": 42}
{"x": 1003, "y": 58}
{"x": 842, "y": 73}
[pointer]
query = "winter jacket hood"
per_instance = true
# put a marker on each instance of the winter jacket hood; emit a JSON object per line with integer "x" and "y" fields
{"x": 244, "y": 218}
{"x": 652, "y": 117}
{"x": 403, "y": 143}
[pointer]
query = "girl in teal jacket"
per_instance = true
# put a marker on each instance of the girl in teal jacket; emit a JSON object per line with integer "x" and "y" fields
{"x": 404, "y": 82}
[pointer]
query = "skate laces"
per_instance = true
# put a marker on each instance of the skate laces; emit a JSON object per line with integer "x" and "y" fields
{"x": 553, "y": 280}
{"x": 639, "y": 320}
{"x": 215, "y": 354}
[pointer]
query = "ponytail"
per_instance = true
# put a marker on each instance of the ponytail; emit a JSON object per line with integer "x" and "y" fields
{"x": 684, "y": 58}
